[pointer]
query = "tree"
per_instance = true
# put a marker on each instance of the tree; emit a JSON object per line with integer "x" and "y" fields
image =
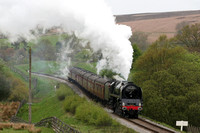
{"x": 190, "y": 36}
{"x": 107, "y": 73}
{"x": 160, "y": 56}
{"x": 19, "y": 91}
{"x": 4, "y": 88}
{"x": 11, "y": 88}
{"x": 16, "y": 45}
{"x": 140, "y": 38}
{"x": 45, "y": 50}
{"x": 169, "y": 76}
{"x": 194, "y": 113}
{"x": 84, "y": 55}
{"x": 179, "y": 26}
{"x": 137, "y": 52}
{"x": 58, "y": 46}
{"x": 7, "y": 54}
{"x": 4, "y": 83}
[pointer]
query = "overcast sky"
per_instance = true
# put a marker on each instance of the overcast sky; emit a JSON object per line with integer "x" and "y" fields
{"x": 144, "y": 6}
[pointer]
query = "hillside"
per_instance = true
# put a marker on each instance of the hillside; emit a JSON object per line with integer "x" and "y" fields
{"x": 156, "y": 24}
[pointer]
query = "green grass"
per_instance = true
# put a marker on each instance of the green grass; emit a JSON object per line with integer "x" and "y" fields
{"x": 62, "y": 92}
{"x": 50, "y": 106}
{"x": 44, "y": 130}
{"x": 87, "y": 66}
{"x": 44, "y": 87}
{"x": 51, "y": 67}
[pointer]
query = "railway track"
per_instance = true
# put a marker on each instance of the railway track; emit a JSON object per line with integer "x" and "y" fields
{"x": 145, "y": 124}
{"x": 151, "y": 126}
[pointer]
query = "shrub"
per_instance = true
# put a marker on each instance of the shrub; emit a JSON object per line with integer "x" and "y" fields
{"x": 93, "y": 114}
{"x": 108, "y": 73}
{"x": 4, "y": 88}
{"x": 72, "y": 102}
{"x": 63, "y": 92}
{"x": 19, "y": 90}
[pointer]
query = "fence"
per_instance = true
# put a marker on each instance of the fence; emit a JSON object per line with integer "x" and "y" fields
{"x": 192, "y": 129}
{"x": 53, "y": 122}
{"x": 57, "y": 125}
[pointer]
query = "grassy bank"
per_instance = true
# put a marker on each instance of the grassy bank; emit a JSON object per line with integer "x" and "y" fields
{"x": 50, "y": 105}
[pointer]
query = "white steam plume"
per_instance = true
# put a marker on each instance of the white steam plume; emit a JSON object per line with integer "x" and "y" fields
{"x": 88, "y": 19}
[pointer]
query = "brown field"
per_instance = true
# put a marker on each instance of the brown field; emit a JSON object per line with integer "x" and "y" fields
{"x": 156, "y": 24}
{"x": 7, "y": 110}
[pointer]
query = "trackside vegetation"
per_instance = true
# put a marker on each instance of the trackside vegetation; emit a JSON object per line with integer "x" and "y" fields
{"x": 170, "y": 78}
{"x": 84, "y": 110}
{"x": 12, "y": 88}
{"x": 67, "y": 110}
{"x": 62, "y": 92}
{"x": 168, "y": 71}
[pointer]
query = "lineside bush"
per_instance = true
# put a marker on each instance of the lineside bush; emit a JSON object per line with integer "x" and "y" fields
{"x": 82, "y": 109}
{"x": 63, "y": 92}
{"x": 93, "y": 114}
{"x": 72, "y": 102}
{"x": 11, "y": 87}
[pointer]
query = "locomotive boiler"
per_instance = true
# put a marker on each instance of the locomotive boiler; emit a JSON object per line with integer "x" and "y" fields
{"x": 125, "y": 98}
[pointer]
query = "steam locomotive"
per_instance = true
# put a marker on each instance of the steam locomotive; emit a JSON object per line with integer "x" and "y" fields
{"x": 125, "y": 98}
